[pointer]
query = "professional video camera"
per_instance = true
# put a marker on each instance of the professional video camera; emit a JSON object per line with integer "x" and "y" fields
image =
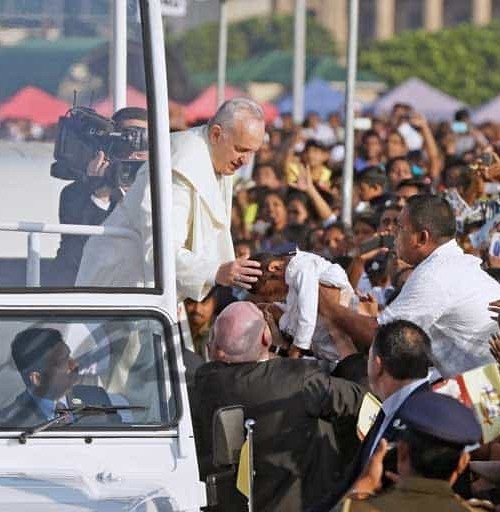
{"x": 82, "y": 132}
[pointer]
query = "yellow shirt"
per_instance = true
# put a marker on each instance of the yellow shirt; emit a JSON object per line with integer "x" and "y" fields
{"x": 321, "y": 175}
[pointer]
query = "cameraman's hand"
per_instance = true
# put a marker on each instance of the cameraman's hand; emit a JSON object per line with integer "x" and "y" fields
{"x": 98, "y": 165}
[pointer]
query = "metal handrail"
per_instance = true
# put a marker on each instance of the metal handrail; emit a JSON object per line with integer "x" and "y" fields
{"x": 35, "y": 228}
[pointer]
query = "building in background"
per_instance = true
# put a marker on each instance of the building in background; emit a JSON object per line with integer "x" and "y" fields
{"x": 379, "y": 19}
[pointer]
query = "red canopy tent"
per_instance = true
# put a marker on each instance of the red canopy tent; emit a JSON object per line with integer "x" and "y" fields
{"x": 204, "y": 106}
{"x": 135, "y": 98}
{"x": 35, "y": 105}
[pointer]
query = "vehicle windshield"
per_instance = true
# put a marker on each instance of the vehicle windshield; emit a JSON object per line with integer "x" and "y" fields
{"x": 73, "y": 143}
{"x": 117, "y": 368}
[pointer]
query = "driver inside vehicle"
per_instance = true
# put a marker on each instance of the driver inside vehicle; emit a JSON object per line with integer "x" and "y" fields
{"x": 49, "y": 373}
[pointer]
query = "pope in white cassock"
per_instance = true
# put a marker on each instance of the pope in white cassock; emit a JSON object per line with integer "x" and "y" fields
{"x": 203, "y": 162}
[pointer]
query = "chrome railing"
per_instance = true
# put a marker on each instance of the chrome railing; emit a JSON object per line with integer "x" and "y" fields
{"x": 34, "y": 229}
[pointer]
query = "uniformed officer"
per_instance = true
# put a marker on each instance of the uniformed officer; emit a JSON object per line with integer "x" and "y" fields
{"x": 435, "y": 429}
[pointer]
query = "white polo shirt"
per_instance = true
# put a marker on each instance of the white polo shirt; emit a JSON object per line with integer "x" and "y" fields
{"x": 447, "y": 295}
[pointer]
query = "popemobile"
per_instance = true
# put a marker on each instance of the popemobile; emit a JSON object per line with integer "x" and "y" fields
{"x": 94, "y": 412}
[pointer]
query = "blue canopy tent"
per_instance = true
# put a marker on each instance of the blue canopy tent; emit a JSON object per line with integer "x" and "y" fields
{"x": 319, "y": 97}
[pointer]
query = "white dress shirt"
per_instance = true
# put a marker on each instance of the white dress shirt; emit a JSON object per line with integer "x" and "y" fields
{"x": 303, "y": 275}
{"x": 447, "y": 295}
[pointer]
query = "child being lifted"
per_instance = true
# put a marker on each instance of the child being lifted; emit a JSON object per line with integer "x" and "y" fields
{"x": 295, "y": 280}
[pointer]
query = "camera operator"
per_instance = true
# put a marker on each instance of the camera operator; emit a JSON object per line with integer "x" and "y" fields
{"x": 92, "y": 197}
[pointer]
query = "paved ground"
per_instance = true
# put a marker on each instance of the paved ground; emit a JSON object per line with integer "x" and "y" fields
{"x": 27, "y": 193}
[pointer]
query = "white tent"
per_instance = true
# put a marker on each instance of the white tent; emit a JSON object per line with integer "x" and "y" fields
{"x": 489, "y": 111}
{"x": 429, "y": 101}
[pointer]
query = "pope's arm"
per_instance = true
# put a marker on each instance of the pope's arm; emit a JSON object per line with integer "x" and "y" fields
{"x": 195, "y": 273}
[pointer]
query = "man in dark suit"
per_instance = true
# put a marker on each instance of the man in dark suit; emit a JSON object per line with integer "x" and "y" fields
{"x": 296, "y": 463}
{"x": 398, "y": 366}
{"x": 43, "y": 360}
{"x": 434, "y": 430}
{"x": 91, "y": 199}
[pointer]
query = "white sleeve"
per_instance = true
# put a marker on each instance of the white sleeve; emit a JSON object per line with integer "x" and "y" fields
{"x": 306, "y": 286}
{"x": 421, "y": 301}
{"x": 195, "y": 274}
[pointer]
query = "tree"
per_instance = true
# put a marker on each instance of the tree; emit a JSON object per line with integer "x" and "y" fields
{"x": 246, "y": 39}
{"x": 462, "y": 61}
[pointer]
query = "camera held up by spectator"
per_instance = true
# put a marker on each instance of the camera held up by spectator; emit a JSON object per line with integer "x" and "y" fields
{"x": 83, "y": 133}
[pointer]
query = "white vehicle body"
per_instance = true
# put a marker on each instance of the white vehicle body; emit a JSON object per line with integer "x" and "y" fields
{"x": 144, "y": 465}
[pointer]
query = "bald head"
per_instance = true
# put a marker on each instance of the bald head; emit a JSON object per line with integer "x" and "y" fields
{"x": 240, "y": 334}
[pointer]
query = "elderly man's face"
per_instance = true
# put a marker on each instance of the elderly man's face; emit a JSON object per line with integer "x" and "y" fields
{"x": 233, "y": 147}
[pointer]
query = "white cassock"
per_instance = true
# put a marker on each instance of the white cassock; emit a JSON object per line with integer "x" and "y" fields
{"x": 201, "y": 226}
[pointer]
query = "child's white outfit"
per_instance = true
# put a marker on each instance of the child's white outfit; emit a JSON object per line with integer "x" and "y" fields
{"x": 303, "y": 275}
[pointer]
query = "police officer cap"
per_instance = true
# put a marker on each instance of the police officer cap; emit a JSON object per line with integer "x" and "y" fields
{"x": 441, "y": 417}
{"x": 372, "y": 174}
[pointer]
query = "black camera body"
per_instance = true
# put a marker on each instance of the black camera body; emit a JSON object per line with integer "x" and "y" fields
{"x": 82, "y": 132}
{"x": 377, "y": 242}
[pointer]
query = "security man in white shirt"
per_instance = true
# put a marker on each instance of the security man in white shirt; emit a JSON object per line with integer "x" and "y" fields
{"x": 447, "y": 293}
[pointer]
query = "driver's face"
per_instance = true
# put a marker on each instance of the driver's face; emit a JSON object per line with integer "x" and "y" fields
{"x": 59, "y": 374}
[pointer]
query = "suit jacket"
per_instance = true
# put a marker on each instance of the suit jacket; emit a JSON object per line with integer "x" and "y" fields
{"x": 25, "y": 412}
{"x": 22, "y": 412}
{"x": 75, "y": 207}
{"x": 363, "y": 455}
{"x": 296, "y": 462}
{"x": 389, "y": 433}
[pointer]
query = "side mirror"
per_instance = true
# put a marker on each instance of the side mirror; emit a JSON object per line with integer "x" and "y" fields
{"x": 228, "y": 435}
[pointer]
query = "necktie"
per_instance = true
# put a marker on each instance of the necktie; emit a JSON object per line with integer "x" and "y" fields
{"x": 371, "y": 437}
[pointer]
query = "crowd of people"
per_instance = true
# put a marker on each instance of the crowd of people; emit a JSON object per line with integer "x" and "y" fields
{"x": 312, "y": 312}
{"x": 295, "y": 315}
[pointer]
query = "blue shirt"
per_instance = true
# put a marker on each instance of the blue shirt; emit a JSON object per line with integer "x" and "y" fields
{"x": 46, "y": 406}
